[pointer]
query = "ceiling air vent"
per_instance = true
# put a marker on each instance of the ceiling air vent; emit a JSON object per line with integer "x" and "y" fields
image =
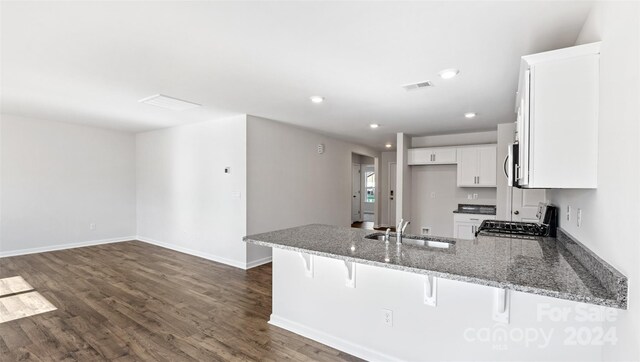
{"x": 167, "y": 102}
{"x": 420, "y": 85}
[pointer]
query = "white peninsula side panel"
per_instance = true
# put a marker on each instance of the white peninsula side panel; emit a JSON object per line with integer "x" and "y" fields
{"x": 322, "y": 306}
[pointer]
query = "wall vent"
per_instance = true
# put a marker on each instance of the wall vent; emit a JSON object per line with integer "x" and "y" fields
{"x": 419, "y": 85}
{"x": 167, "y": 102}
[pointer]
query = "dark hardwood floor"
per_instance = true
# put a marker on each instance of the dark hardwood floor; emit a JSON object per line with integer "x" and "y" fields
{"x": 369, "y": 225}
{"x": 133, "y": 301}
{"x": 363, "y": 225}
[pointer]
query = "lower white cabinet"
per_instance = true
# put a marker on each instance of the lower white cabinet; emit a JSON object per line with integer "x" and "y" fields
{"x": 466, "y": 225}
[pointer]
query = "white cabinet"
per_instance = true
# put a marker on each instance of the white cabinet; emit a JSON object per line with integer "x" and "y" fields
{"x": 557, "y": 118}
{"x": 432, "y": 156}
{"x": 477, "y": 166}
{"x": 466, "y": 225}
{"x": 464, "y": 230}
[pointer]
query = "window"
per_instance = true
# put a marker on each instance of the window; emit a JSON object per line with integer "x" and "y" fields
{"x": 370, "y": 186}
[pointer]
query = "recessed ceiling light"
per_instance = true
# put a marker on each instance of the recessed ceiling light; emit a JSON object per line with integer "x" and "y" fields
{"x": 316, "y": 99}
{"x": 374, "y": 125}
{"x": 388, "y": 145}
{"x": 167, "y": 102}
{"x": 448, "y": 73}
{"x": 470, "y": 115}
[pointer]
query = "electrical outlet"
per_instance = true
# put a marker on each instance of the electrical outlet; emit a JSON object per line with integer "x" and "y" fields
{"x": 475, "y": 196}
{"x": 425, "y": 230}
{"x": 469, "y": 196}
{"x": 579, "y": 218}
{"x": 92, "y": 226}
{"x": 568, "y": 212}
{"x": 387, "y": 317}
{"x": 433, "y": 195}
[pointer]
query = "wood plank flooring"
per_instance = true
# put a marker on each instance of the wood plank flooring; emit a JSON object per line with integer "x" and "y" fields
{"x": 133, "y": 301}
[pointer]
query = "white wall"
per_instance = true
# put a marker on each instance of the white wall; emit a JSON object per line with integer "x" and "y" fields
{"x": 185, "y": 200}
{"x": 473, "y": 138}
{"x": 437, "y": 212}
{"x": 610, "y": 213}
{"x": 290, "y": 184}
{"x": 403, "y": 179}
{"x": 59, "y": 178}
{"x": 383, "y": 181}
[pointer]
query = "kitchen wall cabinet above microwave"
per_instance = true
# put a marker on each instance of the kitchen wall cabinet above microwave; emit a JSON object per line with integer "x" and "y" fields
{"x": 557, "y": 118}
{"x": 432, "y": 156}
{"x": 477, "y": 166}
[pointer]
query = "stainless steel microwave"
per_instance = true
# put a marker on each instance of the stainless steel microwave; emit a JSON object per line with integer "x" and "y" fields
{"x": 511, "y": 166}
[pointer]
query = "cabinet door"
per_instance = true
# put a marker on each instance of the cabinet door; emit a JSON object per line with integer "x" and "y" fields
{"x": 444, "y": 155}
{"x": 468, "y": 167}
{"x": 464, "y": 230}
{"x": 419, "y": 156}
{"x": 487, "y": 167}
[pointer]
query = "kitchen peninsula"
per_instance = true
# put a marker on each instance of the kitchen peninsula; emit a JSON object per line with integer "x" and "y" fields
{"x": 419, "y": 302}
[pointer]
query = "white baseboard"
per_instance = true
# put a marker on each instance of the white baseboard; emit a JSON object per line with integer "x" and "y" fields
{"x": 4, "y": 254}
{"x": 258, "y": 262}
{"x": 197, "y": 253}
{"x": 330, "y": 340}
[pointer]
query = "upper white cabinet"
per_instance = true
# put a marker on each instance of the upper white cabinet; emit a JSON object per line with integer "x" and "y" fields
{"x": 432, "y": 156}
{"x": 557, "y": 118}
{"x": 477, "y": 166}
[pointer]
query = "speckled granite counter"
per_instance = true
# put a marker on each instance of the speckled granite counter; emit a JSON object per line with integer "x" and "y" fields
{"x": 475, "y": 209}
{"x": 544, "y": 266}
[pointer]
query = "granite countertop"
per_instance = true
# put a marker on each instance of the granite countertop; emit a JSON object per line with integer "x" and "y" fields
{"x": 546, "y": 266}
{"x": 475, "y": 209}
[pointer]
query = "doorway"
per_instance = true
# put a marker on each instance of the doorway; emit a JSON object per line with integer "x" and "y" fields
{"x": 363, "y": 191}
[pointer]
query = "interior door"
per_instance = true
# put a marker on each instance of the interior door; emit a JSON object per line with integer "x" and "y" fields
{"x": 524, "y": 203}
{"x": 391, "y": 216}
{"x": 356, "y": 192}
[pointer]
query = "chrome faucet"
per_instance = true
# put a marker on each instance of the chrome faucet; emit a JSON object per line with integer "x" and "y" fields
{"x": 400, "y": 230}
{"x": 386, "y": 236}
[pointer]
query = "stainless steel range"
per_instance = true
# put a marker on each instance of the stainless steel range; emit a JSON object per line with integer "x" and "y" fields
{"x": 546, "y": 226}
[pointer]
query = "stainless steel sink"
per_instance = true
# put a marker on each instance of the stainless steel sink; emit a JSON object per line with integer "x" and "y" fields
{"x": 408, "y": 240}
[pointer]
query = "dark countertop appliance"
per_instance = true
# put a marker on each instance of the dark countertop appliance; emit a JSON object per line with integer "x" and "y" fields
{"x": 546, "y": 226}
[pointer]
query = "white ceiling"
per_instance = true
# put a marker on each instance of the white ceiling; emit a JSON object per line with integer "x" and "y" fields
{"x": 90, "y": 62}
